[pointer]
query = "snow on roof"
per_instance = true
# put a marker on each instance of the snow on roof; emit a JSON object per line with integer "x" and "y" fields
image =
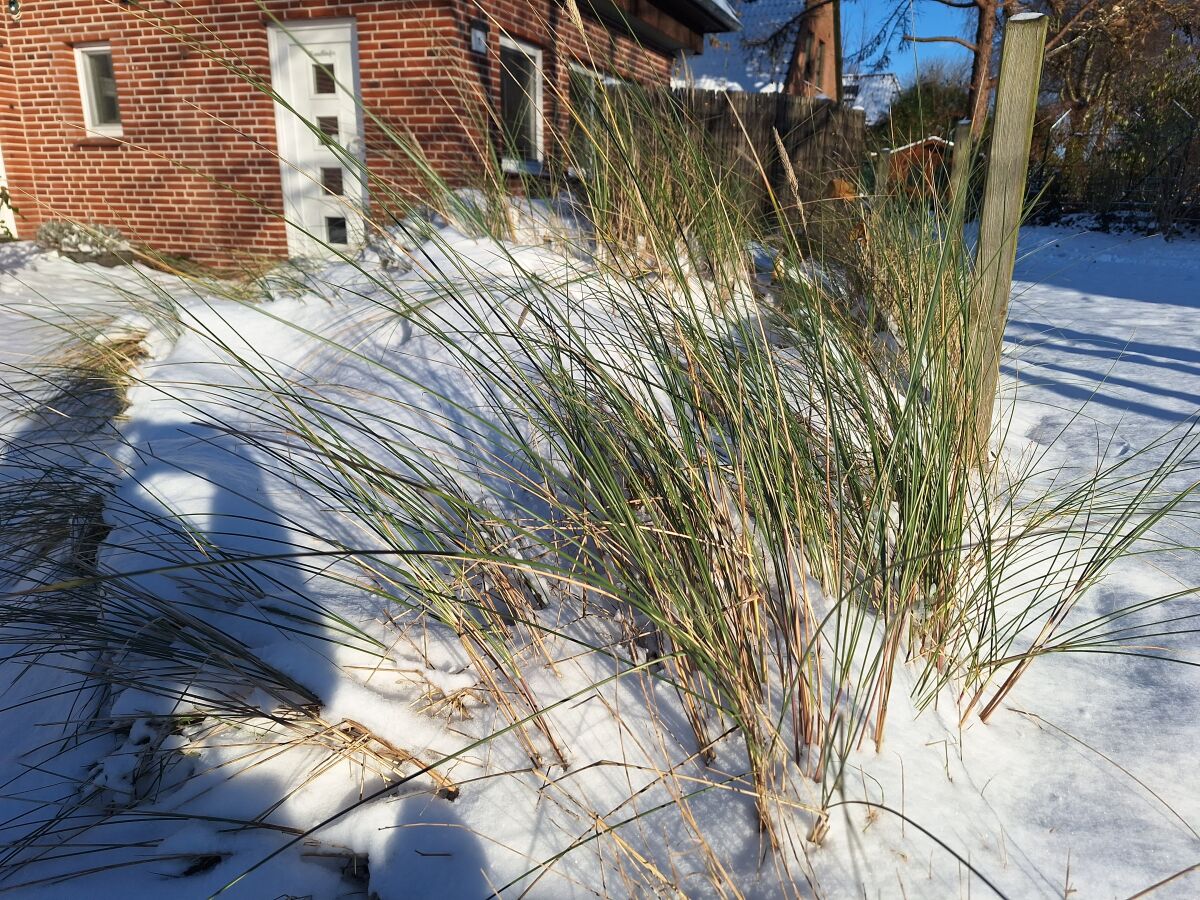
{"x": 725, "y": 7}
{"x": 736, "y": 62}
{"x": 873, "y": 92}
{"x": 720, "y": 12}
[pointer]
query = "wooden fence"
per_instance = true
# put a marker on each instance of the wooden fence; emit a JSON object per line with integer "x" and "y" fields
{"x": 822, "y": 140}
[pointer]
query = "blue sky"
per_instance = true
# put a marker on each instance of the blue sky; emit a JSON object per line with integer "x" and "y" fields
{"x": 862, "y": 18}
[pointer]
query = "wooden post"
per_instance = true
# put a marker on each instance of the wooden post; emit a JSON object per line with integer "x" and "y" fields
{"x": 960, "y": 169}
{"x": 883, "y": 163}
{"x": 1003, "y": 201}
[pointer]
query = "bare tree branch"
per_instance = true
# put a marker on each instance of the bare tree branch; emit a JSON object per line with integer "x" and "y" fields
{"x": 1057, "y": 39}
{"x": 940, "y": 39}
{"x": 965, "y": 4}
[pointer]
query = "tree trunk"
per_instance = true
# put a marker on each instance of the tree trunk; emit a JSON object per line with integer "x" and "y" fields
{"x": 981, "y": 68}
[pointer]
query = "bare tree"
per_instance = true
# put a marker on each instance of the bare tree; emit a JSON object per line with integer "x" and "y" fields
{"x": 1090, "y": 43}
{"x": 892, "y": 32}
{"x": 982, "y": 51}
{"x": 786, "y": 36}
{"x": 1095, "y": 43}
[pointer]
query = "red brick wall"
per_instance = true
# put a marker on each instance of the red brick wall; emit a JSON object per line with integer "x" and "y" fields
{"x": 196, "y": 172}
{"x": 817, "y": 72}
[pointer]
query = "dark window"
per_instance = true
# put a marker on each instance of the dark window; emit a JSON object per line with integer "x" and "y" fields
{"x": 584, "y": 94}
{"x": 323, "y": 79}
{"x": 519, "y": 100}
{"x": 335, "y": 229}
{"x": 101, "y": 87}
{"x": 331, "y": 180}
{"x": 328, "y": 126}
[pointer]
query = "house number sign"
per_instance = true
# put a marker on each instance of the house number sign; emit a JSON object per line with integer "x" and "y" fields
{"x": 479, "y": 33}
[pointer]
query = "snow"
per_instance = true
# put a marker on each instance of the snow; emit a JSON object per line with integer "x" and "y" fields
{"x": 872, "y": 92}
{"x": 932, "y": 139}
{"x": 1083, "y": 785}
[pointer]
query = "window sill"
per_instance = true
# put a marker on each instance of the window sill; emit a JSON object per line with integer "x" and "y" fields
{"x": 521, "y": 167}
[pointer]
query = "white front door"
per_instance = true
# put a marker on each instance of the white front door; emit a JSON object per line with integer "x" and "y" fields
{"x": 314, "y": 70}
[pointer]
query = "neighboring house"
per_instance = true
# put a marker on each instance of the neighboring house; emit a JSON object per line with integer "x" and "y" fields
{"x": 873, "y": 93}
{"x": 131, "y": 114}
{"x": 788, "y": 46}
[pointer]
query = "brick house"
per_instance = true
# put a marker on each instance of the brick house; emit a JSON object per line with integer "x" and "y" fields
{"x": 131, "y": 114}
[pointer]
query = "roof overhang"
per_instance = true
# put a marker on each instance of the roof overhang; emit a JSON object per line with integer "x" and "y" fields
{"x": 706, "y": 16}
{"x": 666, "y": 25}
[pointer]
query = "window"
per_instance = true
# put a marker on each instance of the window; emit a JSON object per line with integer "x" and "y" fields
{"x": 333, "y": 181}
{"x": 520, "y": 104}
{"x": 98, "y": 87}
{"x": 328, "y": 126}
{"x": 819, "y": 74}
{"x": 335, "y": 229}
{"x": 585, "y": 93}
{"x": 324, "y": 80}
{"x": 808, "y": 53}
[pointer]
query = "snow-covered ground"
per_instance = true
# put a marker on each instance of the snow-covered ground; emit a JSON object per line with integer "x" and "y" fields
{"x": 1082, "y": 786}
{"x": 45, "y": 302}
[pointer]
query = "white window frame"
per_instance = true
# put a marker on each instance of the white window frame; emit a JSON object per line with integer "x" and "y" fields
{"x": 82, "y": 51}
{"x": 603, "y": 77}
{"x": 510, "y": 163}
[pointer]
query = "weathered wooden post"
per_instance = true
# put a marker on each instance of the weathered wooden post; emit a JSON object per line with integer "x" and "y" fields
{"x": 883, "y": 165}
{"x": 1003, "y": 200}
{"x": 960, "y": 169}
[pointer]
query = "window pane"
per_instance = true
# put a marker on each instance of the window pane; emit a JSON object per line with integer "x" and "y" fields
{"x": 335, "y": 229}
{"x": 584, "y": 96}
{"x": 331, "y": 180}
{"x": 323, "y": 79}
{"x": 102, "y": 88}
{"x": 518, "y": 85}
{"x": 328, "y": 126}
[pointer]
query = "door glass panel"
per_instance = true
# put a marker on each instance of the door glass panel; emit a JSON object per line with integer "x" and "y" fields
{"x": 328, "y": 126}
{"x": 335, "y": 229}
{"x": 323, "y": 79}
{"x": 332, "y": 180}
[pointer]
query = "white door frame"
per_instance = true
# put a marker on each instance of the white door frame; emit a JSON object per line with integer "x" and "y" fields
{"x": 289, "y": 131}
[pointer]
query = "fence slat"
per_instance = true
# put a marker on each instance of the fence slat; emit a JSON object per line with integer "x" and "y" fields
{"x": 821, "y": 138}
